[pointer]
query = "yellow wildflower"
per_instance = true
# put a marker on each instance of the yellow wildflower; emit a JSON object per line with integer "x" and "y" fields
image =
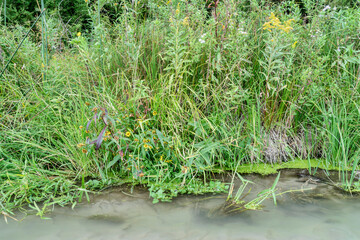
{"x": 127, "y": 134}
{"x": 276, "y": 23}
{"x": 136, "y": 140}
{"x": 168, "y": 2}
{"x": 80, "y": 145}
{"x": 78, "y": 34}
{"x": 185, "y": 22}
{"x": 81, "y": 127}
{"x": 154, "y": 113}
{"x": 107, "y": 133}
{"x": 178, "y": 9}
{"x": 184, "y": 169}
{"x": 294, "y": 44}
{"x": 268, "y": 26}
{"x": 84, "y": 151}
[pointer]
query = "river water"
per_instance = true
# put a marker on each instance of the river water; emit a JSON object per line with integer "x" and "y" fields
{"x": 320, "y": 212}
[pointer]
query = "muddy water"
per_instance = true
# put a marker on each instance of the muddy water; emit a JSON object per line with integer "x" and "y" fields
{"x": 319, "y": 213}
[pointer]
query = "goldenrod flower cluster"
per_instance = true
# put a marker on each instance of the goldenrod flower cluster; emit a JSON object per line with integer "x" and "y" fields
{"x": 275, "y": 23}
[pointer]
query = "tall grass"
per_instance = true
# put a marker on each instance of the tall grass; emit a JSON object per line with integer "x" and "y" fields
{"x": 177, "y": 95}
{"x": 5, "y": 13}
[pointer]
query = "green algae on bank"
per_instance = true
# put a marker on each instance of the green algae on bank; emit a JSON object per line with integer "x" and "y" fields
{"x": 267, "y": 168}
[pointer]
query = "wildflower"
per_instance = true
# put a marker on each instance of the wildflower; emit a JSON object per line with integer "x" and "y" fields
{"x": 87, "y": 131}
{"x": 294, "y": 44}
{"x": 184, "y": 169}
{"x": 80, "y": 145}
{"x": 115, "y": 4}
{"x": 86, "y": 1}
{"x": 326, "y": 8}
{"x": 275, "y": 23}
{"x": 168, "y": 2}
{"x": 286, "y": 29}
{"x": 154, "y": 113}
{"x": 161, "y": 157}
{"x": 268, "y": 26}
{"x": 136, "y": 140}
{"x": 78, "y": 34}
{"x": 84, "y": 150}
{"x": 177, "y": 9}
{"x": 87, "y": 103}
{"x": 168, "y": 161}
{"x": 127, "y": 134}
{"x": 81, "y": 127}
{"x": 95, "y": 109}
{"x": 185, "y": 22}
{"x": 201, "y": 40}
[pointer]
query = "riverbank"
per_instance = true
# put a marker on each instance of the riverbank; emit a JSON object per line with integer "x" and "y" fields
{"x": 123, "y": 212}
{"x": 174, "y": 96}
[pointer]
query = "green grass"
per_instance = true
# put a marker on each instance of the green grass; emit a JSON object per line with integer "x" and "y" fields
{"x": 176, "y": 97}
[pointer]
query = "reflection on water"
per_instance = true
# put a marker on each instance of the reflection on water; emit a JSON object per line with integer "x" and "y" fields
{"x": 312, "y": 214}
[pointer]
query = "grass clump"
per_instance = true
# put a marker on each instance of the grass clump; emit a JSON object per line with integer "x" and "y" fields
{"x": 168, "y": 94}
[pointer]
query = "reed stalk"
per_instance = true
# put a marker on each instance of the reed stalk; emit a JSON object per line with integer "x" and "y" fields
{"x": 5, "y": 13}
{"x": 44, "y": 51}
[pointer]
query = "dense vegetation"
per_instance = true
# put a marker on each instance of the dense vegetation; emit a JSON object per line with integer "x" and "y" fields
{"x": 168, "y": 92}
